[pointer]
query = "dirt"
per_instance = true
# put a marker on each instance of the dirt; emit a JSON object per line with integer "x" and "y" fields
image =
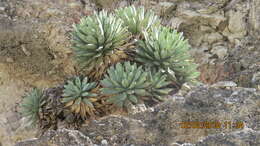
{"x": 26, "y": 54}
{"x": 35, "y": 57}
{"x": 26, "y": 61}
{"x": 24, "y": 49}
{"x": 11, "y": 92}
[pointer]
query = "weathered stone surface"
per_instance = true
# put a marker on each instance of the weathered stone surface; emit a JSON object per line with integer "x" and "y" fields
{"x": 213, "y": 37}
{"x": 256, "y": 79}
{"x": 192, "y": 16}
{"x": 236, "y": 110}
{"x": 245, "y": 137}
{"x": 224, "y": 84}
{"x": 220, "y": 51}
{"x": 206, "y": 22}
{"x": 161, "y": 125}
{"x": 254, "y": 18}
{"x": 236, "y": 22}
{"x": 238, "y": 138}
{"x": 61, "y": 137}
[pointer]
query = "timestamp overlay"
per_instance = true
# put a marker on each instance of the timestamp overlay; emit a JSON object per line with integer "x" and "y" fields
{"x": 211, "y": 125}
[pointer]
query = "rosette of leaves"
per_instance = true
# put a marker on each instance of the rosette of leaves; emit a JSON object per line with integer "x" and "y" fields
{"x": 125, "y": 83}
{"x": 137, "y": 19}
{"x": 128, "y": 83}
{"x": 31, "y": 106}
{"x": 78, "y": 96}
{"x": 158, "y": 83}
{"x": 166, "y": 50}
{"x": 98, "y": 42}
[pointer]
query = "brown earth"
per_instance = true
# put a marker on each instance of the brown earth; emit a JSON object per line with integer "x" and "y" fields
{"x": 32, "y": 54}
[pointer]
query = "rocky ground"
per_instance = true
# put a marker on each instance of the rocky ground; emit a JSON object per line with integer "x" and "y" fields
{"x": 224, "y": 35}
{"x": 162, "y": 125}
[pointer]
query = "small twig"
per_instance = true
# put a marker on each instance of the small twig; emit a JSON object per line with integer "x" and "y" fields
{"x": 25, "y": 51}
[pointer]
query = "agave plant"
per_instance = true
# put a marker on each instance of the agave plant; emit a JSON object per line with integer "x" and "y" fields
{"x": 31, "y": 106}
{"x": 137, "y": 19}
{"x": 97, "y": 42}
{"x": 77, "y": 95}
{"x": 166, "y": 50}
{"x": 158, "y": 85}
{"x": 128, "y": 83}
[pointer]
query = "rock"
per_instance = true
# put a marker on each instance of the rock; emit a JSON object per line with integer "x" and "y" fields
{"x": 138, "y": 108}
{"x": 201, "y": 54}
{"x": 234, "y": 23}
{"x": 224, "y": 84}
{"x": 175, "y": 22}
{"x": 237, "y": 23}
{"x": 75, "y": 5}
{"x": 220, "y": 51}
{"x": 254, "y": 18}
{"x": 104, "y": 142}
{"x": 61, "y": 137}
{"x": 231, "y": 113}
{"x": 2, "y": 9}
{"x": 161, "y": 126}
{"x": 51, "y": 12}
{"x": 3, "y": 6}
{"x": 122, "y": 4}
{"x": 9, "y": 60}
{"x": 166, "y": 8}
{"x": 213, "y": 20}
{"x": 184, "y": 90}
{"x": 247, "y": 64}
{"x": 239, "y": 138}
{"x": 106, "y": 4}
{"x": 213, "y": 37}
{"x": 205, "y": 28}
{"x": 25, "y": 51}
{"x": 245, "y": 137}
{"x": 166, "y": 4}
{"x": 256, "y": 79}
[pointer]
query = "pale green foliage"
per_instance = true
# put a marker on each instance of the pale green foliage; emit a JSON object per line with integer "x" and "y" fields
{"x": 77, "y": 95}
{"x": 31, "y": 106}
{"x": 128, "y": 83}
{"x": 97, "y": 36}
{"x": 166, "y": 50}
{"x": 78, "y": 90}
{"x": 157, "y": 83}
{"x": 137, "y": 19}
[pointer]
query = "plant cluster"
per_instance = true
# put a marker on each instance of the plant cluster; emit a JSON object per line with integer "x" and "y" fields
{"x": 166, "y": 50}
{"x": 97, "y": 42}
{"x": 31, "y": 106}
{"x": 127, "y": 83}
{"x": 137, "y": 20}
{"x": 77, "y": 95}
{"x": 100, "y": 44}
